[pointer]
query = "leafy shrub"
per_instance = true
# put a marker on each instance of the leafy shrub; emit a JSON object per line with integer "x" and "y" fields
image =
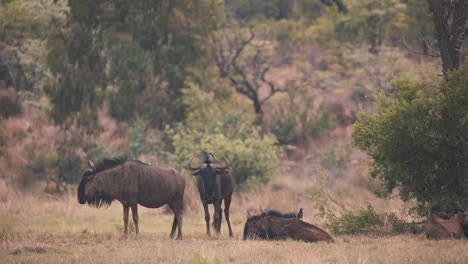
{"x": 400, "y": 226}
{"x": 334, "y": 157}
{"x": 293, "y": 122}
{"x": 252, "y": 156}
{"x": 142, "y": 139}
{"x": 417, "y": 139}
{"x": 363, "y": 221}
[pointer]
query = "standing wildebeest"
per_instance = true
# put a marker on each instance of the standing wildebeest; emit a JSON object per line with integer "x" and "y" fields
{"x": 272, "y": 225}
{"x": 133, "y": 182}
{"x": 445, "y": 225}
{"x": 214, "y": 182}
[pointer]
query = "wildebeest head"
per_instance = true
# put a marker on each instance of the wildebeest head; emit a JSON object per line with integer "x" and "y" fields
{"x": 256, "y": 226}
{"x": 209, "y": 173}
{"x": 89, "y": 189}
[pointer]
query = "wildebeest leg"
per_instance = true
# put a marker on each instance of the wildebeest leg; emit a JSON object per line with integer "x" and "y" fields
{"x": 135, "y": 217}
{"x": 227, "y": 204}
{"x": 207, "y": 218}
{"x": 174, "y": 225}
{"x": 217, "y": 213}
{"x": 177, "y": 207}
{"x": 125, "y": 218}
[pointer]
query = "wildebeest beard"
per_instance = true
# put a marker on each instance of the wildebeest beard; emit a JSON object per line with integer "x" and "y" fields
{"x": 98, "y": 200}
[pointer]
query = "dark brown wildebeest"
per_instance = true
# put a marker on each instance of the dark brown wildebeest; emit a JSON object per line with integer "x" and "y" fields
{"x": 214, "y": 182}
{"x": 445, "y": 225}
{"x": 133, "y": 182}
{"x": 274, "y": 226}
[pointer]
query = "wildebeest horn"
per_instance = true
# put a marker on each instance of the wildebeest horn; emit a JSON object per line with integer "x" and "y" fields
{"x": 226, "y": 166}
{"x": 91, "y": 165}
{"x": 190, "y": 165}
{"x": 248, "y": 214}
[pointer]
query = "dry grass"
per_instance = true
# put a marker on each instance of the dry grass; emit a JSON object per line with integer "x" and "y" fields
{"x": 41, "y": 230}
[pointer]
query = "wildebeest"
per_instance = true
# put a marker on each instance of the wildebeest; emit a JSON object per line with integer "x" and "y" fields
{"x": 274, "y": 226}
{"x": 133, "y": 182}
{"x": 214, "y": 182}
{"x": 445, "y": 225}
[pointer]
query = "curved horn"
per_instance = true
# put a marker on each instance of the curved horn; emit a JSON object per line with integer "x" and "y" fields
{"x": 190, "y": 165}
{"x": 91, "y": 165}
{"x": 226, "y": 166}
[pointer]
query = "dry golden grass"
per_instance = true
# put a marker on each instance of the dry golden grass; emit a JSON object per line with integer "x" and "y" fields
{"x": 44, "y": 230}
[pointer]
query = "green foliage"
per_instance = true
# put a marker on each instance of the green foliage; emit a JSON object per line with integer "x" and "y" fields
{"x": 334, "y": 157}
{"x": 418, "y": 142}
{"x": 134, "y": 54}
{"x": 23, "y": 29}
{"x": 295, "y": 119}
{"x": 142, "y": 139}
{"x": 363, "y": 221}
{"x": 401, "y": 227}
{"x": 251, "y": 155}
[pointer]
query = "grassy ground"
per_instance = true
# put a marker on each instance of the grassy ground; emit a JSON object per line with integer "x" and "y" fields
{"x": 62, "y": 231}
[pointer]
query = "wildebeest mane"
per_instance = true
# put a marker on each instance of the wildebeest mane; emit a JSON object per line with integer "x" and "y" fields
{"x": 109, "y": 163}
{"x": 272, "y": 212}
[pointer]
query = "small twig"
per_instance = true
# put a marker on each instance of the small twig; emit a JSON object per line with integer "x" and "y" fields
{"x": 419, "y": 53}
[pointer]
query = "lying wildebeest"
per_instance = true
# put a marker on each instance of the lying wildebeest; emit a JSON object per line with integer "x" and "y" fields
{"x": 214, "y": 182}
{"x": 133, "y": 182}
{"x": 445, "y": 225}
{"x": 274, "y": 226}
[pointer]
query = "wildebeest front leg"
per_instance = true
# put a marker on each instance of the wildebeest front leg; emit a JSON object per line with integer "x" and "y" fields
{"x": 135, "y": 217}
{"x": 207, "y": 218}
{"x": 227, "y": 204}
{"x": 125, "y": 218}
{"x": 216, "y": 216}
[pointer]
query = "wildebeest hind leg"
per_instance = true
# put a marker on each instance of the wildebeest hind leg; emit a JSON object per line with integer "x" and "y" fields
{"x": 125, "y": 218}
{"x": 177, "y": 208}
{"x": 135, "y": 217}
{"x": 174, "y": 225}
{"x": 227, "y": 204}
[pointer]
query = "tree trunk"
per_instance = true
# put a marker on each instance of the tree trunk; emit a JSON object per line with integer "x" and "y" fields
{"x": 258, "y": 112}
{"x": 449, "y": 36}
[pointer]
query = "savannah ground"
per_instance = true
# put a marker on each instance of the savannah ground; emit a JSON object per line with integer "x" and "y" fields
{"x": 51, "y": 230}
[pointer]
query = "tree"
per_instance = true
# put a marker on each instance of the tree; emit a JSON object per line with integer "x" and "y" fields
{"x": 450, "y": 22}
{"x": 418, "y": 142}
{"x": 23, "y": 30}
{"x": 248, "y": 62}
{"x": 133, "y": 55}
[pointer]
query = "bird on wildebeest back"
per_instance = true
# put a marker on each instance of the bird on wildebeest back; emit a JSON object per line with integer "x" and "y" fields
{"x": 133, "y": 182}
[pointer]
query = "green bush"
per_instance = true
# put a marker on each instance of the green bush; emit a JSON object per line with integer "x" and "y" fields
{"x": 363, "y": 221}
{"x": 401, "y": 227}
{"x": 252, "y": 156}
{"x": 418, "y": 140}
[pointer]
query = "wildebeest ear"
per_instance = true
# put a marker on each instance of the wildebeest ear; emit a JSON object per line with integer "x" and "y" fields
{"x": 248, "y": 215}
{"x": 91, "y": 165}
{"x": 196, "y": 172}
